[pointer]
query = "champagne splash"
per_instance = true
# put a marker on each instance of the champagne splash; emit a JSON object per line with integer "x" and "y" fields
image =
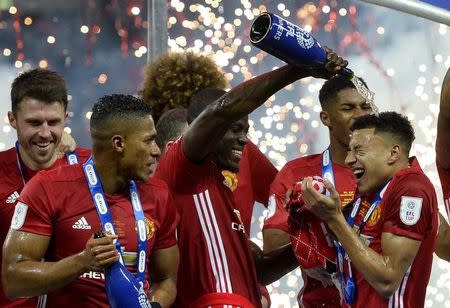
{"x": 364, "y": 92}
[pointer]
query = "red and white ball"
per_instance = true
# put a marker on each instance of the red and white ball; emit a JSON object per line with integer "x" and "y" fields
{"x": 317, "y": 184}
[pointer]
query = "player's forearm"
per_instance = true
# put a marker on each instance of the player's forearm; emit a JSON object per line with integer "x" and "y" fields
{"x": 246, "y": 97}
{"x": 443, "y": 240}
{"x": 274, "y": 265}
{"x": 273, "y": 239}
{"x": 164, "y": 292}
{"x": 371, "y": 265}
{"x": 31, "y": 278}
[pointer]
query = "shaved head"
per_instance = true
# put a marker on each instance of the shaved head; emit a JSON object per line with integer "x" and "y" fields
{"x": 116, "y": 114}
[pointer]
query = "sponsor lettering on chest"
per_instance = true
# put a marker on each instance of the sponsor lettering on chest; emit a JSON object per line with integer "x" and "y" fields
{"x": 238, "y": 226}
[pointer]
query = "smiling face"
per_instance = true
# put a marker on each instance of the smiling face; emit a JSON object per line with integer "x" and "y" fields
{"x": 39, "y": 128}
{"x": 228, "y": 152}
{"x": 140, "y": 150}
{"x": 370, "y": 158}
{"x": 340, "y": 114}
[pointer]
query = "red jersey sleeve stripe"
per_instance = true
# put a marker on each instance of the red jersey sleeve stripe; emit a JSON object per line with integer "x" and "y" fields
{"x": 219, "y": 241}
{"x": 212, "y": 249}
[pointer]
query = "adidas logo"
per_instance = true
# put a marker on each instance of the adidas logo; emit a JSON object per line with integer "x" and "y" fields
{"x": 13, "y": 197}
{"x": 81, "y": 224}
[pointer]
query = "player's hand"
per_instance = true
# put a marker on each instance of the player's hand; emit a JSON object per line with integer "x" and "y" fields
{"x": 333, "y": 66}
{"x": 100, "y": 252}
{"x": 288, "y": 198}
{"x": 319, "y": 274}
{"x": 324, "y": 207}
{"x": 67, "y": 144}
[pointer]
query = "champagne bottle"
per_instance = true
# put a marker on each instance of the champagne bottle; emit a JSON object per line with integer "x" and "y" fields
{"x": 288, "y": 42}
{"x": 293, "y": 45}
{"x": 122, "y": 288}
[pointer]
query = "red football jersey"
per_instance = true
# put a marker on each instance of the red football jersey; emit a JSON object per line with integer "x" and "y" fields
{"x": 444, "y": 176}
{"x": 408, "y": 208}
{"x": 313, "y": 292}
{"x": 11, "y": 185}
{"x": 60, "y": 206}
{"x": 214, "y": 253}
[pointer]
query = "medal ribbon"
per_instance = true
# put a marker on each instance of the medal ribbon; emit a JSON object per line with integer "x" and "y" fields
{"x": 98, "y": 196}
{"x": 349, "y": 285}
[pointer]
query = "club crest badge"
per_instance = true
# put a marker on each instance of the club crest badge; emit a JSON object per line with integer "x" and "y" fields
{"x": 374, "y": 217}
{"x": 149, "y": 227}
{"x": 230, "y": 179}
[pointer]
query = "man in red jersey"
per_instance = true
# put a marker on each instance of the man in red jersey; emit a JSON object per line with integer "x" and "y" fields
{"x": 38, "y": 113}
{"x": 255, "y": 171}
{"x": 255, "y": 174}
{"x": 397, "y": 207}
{"x": 212, "y": 236}
{"x": 443, "y": 166}
{"x": 56, "y": 217}
{"x": 179, "y": 76}
{"x": 341, "y": 105}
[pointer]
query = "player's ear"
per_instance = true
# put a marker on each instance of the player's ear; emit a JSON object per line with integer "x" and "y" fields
{"x": 118, "y": 143}
{"x": 394, "y": 154}
{"x": 325, "y": 118}
{"x": 12, "y": 119}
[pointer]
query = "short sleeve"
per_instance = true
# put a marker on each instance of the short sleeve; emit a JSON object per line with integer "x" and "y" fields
{"x": 33, "y": 212}
{"x": 410, "y": 207}
{"x": 277, "y": 217}
{"x": 166, "y": 236}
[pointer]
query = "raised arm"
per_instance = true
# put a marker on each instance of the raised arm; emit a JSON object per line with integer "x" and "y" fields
{"x": 164, "y": 268}
{"x": 24, "y": 275}
{"x": 209, "y": 127}
{"x": 443, "y": 125}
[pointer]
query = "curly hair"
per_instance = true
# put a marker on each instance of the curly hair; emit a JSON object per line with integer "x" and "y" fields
{"x": 171, "y": 80}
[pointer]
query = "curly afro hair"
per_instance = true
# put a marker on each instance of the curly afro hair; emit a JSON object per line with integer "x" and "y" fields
{"x": 171, "y": 80}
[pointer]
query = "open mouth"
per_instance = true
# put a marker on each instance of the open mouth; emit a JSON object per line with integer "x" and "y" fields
{"x": 43, "y": 146}
{"x": 358, "y": 173}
